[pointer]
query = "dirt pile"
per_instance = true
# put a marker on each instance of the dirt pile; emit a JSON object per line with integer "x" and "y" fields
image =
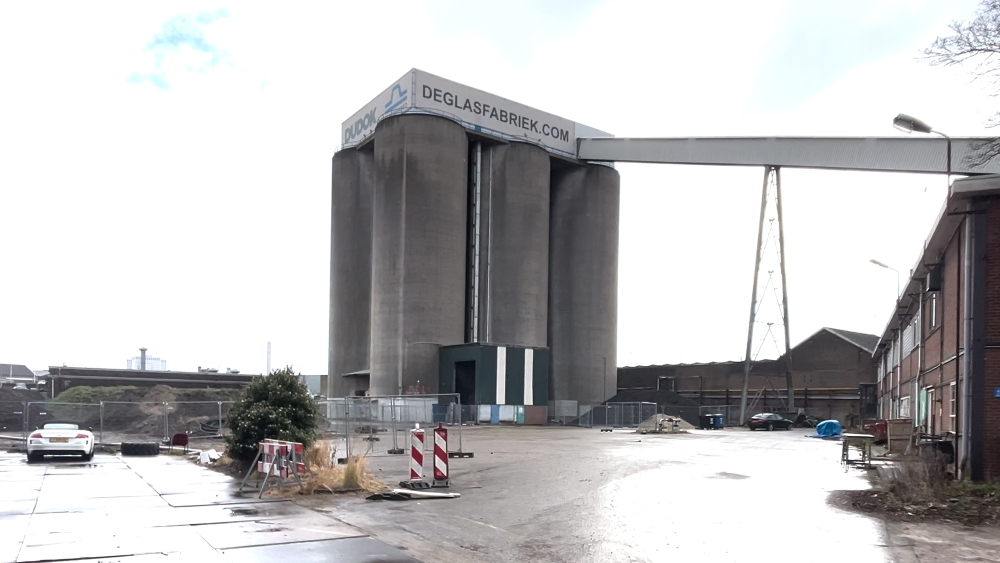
{"x": 141, "y": 410}
{"x": 662, "y": 423}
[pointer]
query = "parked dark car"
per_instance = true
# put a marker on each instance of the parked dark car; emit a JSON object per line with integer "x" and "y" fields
{"x": 769, "y": 421}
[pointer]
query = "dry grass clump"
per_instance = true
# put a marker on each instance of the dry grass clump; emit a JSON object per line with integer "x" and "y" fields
{"x": 328, "y": 477}
{"x": 919, "y": 480}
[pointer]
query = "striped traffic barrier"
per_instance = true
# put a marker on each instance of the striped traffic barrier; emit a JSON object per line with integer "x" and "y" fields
{"x": 279, "y": 460}
{"x": 440, "y": 456}
{"x": 416, "y": 455}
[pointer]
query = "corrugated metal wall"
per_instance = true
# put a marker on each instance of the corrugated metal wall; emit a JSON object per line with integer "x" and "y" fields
{"x": 504, "y": 375}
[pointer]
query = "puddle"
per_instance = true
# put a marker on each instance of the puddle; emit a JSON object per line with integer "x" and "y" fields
{"x": 725, "y": 475}
{"x": 244, "y": 511}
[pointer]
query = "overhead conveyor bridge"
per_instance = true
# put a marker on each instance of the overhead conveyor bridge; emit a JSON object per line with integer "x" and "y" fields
{"x": 876, "y": 154}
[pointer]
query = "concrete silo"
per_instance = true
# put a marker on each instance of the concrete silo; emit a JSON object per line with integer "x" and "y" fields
{"x": 419, "y": 249}
{"x": 350, "y": 269}
{"x": 513, "y": 267}
{"x": 583, "y": 283}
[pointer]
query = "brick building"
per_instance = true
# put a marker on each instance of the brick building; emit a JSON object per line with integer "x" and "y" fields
{"x": 939, "y": 356}
{"x": 829, "y": 369}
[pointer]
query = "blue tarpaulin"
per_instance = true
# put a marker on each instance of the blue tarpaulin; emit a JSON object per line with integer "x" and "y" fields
{"x": 827, "y": 429}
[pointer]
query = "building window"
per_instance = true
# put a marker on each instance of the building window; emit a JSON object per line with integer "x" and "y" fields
{"x": 932, "y": 305}
{"x": 904, "y": 407}
{"x": 953, "y": 405}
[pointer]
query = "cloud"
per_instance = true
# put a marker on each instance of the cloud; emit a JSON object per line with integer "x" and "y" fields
{"x": 181, "y": 46}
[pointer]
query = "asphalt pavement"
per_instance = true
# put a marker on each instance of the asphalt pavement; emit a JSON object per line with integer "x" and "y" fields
{"x": 140, "y": 509}
{"x": 579, "y": 495}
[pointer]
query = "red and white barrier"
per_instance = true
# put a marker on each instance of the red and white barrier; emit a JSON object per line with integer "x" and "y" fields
{"x": 441, "y": 456}
{"x": 278, "y": 459}
{"x": 416, "y": 454}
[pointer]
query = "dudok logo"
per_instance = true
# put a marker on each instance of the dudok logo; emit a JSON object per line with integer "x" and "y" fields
{"x": 359, "y": 127}
{"x": 393, "y": 101}
{"x": 365, "y": 123}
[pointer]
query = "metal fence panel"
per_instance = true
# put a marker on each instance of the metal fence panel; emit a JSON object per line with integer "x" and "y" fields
{"x": 86, "y": 415}
{"x": 134, "y": 421}
{"x": 12, "y": 416}
{"x": 688, "y": 414}
{"x": 616, "y": 415}
{"x": 198, "y": 418}
{"x": 369, "y": 426}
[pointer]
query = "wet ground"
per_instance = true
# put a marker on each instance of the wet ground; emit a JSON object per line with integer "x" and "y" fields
{"x": 138, "y": 509}
{"x": 529, "y": 494}
{"x": 579, "y": 495}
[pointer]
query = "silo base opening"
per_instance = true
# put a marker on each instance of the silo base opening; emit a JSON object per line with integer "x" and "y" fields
{"x": 465, "y": 381}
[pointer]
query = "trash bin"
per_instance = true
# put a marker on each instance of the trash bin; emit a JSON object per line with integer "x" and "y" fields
{"x": 706, "y": 421}
{"x": 439, "y": 413}
{"x": 719, "y": 421}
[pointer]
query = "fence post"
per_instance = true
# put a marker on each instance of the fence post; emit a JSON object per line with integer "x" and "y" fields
{"x": 100, "y": 427}
{"x": 347, "y": 429}
{"x": 166, "y": 425}
{"x": 219, "y": 433}
{"x": 392, "y": 409}
{"x": 371, "y": 426}
{"x": 24, "y": 423}
{"x": 458, "y": 401}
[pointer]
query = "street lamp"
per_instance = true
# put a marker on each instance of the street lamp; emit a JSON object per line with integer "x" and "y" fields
{"x": 887, "y": 267}
{"x": 909, "y": 124}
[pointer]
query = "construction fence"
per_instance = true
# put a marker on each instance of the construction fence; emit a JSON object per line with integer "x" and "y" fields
{"x": 374, "y": 426}
{"x": 115, "y": 422}
{"x": 616, "y": 415}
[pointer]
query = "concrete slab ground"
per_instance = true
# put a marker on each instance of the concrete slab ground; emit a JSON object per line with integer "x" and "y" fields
{"x": 555, "y": 494}
{"x": 580, "y": 495}
{"x": 153, "y": 509}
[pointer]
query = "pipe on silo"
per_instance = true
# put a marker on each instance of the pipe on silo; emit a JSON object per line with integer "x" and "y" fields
{"x": 418, "y": 249}
{"x": 142, "y": 359}
{"x": 583, "y": 284}
{"x": 350, "y": 269}
{"x": 514, "y": 249}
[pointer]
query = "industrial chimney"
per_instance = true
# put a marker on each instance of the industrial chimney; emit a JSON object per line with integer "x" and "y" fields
{"x": 142, "y": 359}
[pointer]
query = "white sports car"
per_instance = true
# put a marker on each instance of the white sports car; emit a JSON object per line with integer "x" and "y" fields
{"x": 60, "y": 438}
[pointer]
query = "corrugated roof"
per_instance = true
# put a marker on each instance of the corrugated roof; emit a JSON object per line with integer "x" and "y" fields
{"x": 15, "y": 370}
{"x": 866, "y": 342}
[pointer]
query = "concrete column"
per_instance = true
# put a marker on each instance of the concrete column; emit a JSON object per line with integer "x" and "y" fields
{"x": 514, "y": 249}
{"x": 350, "y": 269}
{"x": 419, "y": 249}
{"x": 583, "y": 284}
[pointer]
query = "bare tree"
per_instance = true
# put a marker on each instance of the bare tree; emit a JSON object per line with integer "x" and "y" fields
{"x": 975, "y": 43}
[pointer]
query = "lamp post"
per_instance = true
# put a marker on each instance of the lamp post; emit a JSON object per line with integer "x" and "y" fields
{"x": 909, "y": 124}
{"x": 887, "y": 267}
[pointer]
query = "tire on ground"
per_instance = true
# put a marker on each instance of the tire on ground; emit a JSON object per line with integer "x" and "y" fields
{"x": 140, "y": 448}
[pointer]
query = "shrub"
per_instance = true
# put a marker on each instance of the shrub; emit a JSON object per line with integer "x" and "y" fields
{"x": 276, "y": 406}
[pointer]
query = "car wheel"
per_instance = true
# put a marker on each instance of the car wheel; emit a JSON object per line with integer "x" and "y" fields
{"x": 88, "y": 457}
{"x": 789, "y": 427}
{"x": 140, "y": 448}
{"x": 34, "y": 457}
{"x": 770, "y": 426}
{"x": 751, "y": 428}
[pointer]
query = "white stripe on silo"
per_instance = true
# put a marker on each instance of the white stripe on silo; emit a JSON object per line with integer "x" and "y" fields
{"x": 501, "y": 375}
{"x": 529, "y": 376}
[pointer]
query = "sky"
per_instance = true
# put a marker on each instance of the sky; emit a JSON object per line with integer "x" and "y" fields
{"x": 165, "y": 168}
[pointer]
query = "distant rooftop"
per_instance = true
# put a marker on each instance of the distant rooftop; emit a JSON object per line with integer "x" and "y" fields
{"x": 15, "y": 370}
{"x": 866, "y": 342}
